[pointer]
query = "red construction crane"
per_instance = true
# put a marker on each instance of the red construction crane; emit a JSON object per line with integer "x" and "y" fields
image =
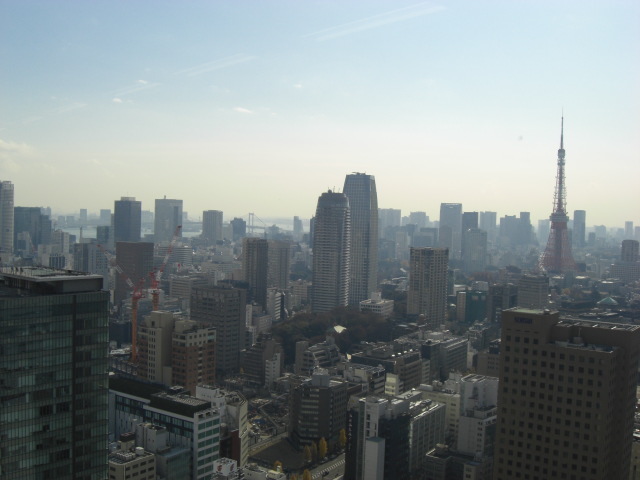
{"x": 156, "y": 275}
{"x": 137, "y": 292}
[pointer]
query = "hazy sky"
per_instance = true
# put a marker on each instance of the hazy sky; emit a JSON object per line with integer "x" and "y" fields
{"x": 260, "y": 106}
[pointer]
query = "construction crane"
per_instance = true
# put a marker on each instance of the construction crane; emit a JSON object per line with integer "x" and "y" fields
{"x": 156, "y": 275}
{"x": 137, "y": 292}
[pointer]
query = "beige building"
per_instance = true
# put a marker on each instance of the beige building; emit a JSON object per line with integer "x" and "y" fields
{"x": 427, "y": 293}
{"x": 129, "y": 462}
{"x": 567, "y": 397}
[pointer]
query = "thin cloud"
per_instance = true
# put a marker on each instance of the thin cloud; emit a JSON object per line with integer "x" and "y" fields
{"x": 116, "y": 100}
{"x": 139, "y": 86}
{"x": 376, "y": 21}
{"x": 297, "y": 85}
{"x": 242, "y": 110}
{"x": 71, "y": 107}
{"x": 215, "y": 65}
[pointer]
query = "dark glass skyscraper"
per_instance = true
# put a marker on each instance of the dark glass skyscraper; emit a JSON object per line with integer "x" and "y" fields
{"x": 331, "y": 252}
{"x": 127, "y": 219}
{"x": 53, "y": 374}
{"x": 360, "y": 189}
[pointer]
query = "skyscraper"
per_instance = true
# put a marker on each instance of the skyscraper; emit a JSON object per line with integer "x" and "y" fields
{"x": 469, "y": 221}
{"x": 255, "y": 267}
{"x": 127, "y": 219}
{"x": 224, "y": 308}
{"x": 136, "y": 260}
{"x": 579, "y": 228}
{"x": 360, "y": 189}
{"x": 567, "y": 397}
{"x": 450, "y": 234}
{"x": 6, "y": 217}
{"x": 30, "y": 229}
{"x": 474, "y": 250}
{"x": 279, "y": 264}
{"x": 427, "y": 293}
{"x": 557, "y": 257}
{"x": 54, "y": 374}
{"x": 331, "y": 252}
{"x": 212, "y": 225}
{"x": 168, "y": 216}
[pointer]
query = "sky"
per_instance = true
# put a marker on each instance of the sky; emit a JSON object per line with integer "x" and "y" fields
{"x": 256, "y": 106}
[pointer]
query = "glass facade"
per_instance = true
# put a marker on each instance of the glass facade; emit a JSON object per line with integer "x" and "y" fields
{"x": 53, "y": 385}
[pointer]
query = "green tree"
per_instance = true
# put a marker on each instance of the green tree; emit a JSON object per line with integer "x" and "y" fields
{"x": 322, "y": 448}
{"x": 307, "y": 453}
{"x": 343, "y": 438}
{"x": 314, "y": 451}
{"x": 306, "y": 475}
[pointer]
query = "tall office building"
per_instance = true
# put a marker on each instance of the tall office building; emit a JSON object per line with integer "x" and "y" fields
{"x": 427, "y": 293}
{"x": 87, "y": 257}
{"x": 176, "y": 352}
{"x": 255, "y": 266}
{"x": 450, "y": 234}
{"x": 388, "y": 437}
{"x": 629, "y": 251}
{"x": 127, "y": 220}
{"x": 105, "y": 216}
{"x": 193, "y": 423}
{"x": 533, "y": 292}
{"x": 579, "y": 228}
{"x": 212, "y": 225}
{"x": 420, "y": 219}
{"x": 628, "y": 229}
{"x": 388, "y": 217}
{"x": 167, "y": 218}
{"x": 279, "y": 257}
{"x": 474, "y": 250}
{"x": 54, "y": 374}
{"x": 331, "y": 252}
{"x": 469, "y": 221}
{"x": 327, "y": 399}
{"x": 488, "y": 221}
{"x": 567, "y": 397}
{"x": 297, "y": 228}
{"x": 30, "y": 229}
{"x": 544, "y": 227}
{"x": 6, "y": 217}
{"x": 502, "y": 296}
{"x": 224, "y": 308}
{"x": 238, "y": 228}
{"x": 360, "y": 189}
{"x": 136, "y": 260}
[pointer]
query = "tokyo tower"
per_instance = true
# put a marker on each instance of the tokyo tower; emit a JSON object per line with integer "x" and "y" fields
{"x": 557, "y": 256}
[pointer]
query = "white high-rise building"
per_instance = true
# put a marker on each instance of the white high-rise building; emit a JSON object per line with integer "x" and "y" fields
{"x": 360, "y": 189}
{"x": 6, "y": 217}
{"x": 331, "y": 252}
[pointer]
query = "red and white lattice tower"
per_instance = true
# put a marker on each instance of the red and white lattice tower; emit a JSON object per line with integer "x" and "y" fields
{"x": 557, "y": 257}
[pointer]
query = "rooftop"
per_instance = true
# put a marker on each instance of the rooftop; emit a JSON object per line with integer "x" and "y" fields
{"x": 40, "y": 280}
